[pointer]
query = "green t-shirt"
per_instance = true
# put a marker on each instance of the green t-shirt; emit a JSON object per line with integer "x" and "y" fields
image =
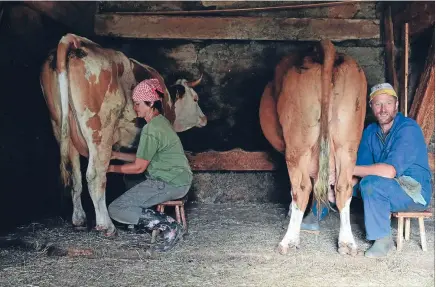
{"x": 161, "y": 146}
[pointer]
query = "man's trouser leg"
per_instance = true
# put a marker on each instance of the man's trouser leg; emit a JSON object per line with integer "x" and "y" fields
{"x": 381, "y": 196}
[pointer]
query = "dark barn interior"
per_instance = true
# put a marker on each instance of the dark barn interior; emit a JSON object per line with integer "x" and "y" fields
{"x": 232, "y": 161}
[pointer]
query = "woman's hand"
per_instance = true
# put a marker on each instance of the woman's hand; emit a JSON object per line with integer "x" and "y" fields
{"x": 110, "y": 168}
{"x": 114, "y": 155}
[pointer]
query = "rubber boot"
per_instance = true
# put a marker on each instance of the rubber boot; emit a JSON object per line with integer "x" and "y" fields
{"x": 311, "y": 221}
{"x": 380, "y": 248}
{"x": 170, "y": 230}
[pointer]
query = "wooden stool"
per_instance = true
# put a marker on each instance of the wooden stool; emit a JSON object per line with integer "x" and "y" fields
{"x": 179, "y": 205}
{"x": 407, "y": 215}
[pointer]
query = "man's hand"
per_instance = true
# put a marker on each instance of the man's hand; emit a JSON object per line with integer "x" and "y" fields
{"x": 379, "y": 169}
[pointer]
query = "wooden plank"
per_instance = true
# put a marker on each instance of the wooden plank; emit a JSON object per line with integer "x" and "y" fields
{"x": 426, "y": 213}
{"x": 390, "y": 48}
{"x": 233, "y": 160}
{"x": 422, "y": 109}
{"x": 248, "y": 9}
{"x": 234, "y": 28}
{"x": 403, "y": 95}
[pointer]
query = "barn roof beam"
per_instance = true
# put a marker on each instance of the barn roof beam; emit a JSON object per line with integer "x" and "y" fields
{"x": 233, "y": 28}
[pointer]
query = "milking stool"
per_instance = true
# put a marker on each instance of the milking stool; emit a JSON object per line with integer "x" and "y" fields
{"x": 406, "y": 216}
{"x": 179, "y": 205}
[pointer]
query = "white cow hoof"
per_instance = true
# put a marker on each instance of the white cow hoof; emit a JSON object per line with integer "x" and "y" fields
{"x": 282, "y": 249}
{"x": 347, "y": 249}
{"x": 79, "y": 221}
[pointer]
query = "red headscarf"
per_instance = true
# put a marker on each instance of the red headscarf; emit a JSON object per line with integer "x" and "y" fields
{"x": 146, "y": 91}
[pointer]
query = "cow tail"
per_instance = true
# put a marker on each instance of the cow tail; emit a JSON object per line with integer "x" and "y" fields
{"x": 322, "y": 182}
{"x": 61, "y": 65}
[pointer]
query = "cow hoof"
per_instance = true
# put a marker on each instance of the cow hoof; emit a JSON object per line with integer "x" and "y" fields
{"x": 80, "y": 228}
{"x": 100, "y": 228}
{"x": 109, "y": 234}
{"x": 282, "y": 249}
{"x": 79, "y": 223}
{"x": 347, "y": 249}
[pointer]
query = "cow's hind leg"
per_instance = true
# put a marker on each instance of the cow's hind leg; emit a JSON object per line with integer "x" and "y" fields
{"x": 79, "y": 216}
{"x": 96, "y": 176}
{"x": 300, "y": 192}
{"x": 343, "y": 193}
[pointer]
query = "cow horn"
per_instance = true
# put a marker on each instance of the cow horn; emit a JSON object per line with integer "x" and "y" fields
{"x": 195, "y": 83}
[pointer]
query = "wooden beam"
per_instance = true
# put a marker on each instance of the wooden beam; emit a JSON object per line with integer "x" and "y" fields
{"x": 233, "y": 28}
{"x": 245, "y": 10}
{"x": 390, "y": 48}
{"x": 233, "y": 160}
{"x": 422, "y": 109}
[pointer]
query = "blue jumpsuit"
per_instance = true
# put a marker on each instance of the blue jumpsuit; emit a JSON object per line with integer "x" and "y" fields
{"x": 404, "y": 148}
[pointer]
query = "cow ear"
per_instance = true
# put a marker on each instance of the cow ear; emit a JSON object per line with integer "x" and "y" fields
{"x": 177, "y": 91}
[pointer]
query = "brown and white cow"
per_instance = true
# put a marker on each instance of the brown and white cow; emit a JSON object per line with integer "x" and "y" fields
{"x": 88, "y": 92}
{"x": 313, "y": 112}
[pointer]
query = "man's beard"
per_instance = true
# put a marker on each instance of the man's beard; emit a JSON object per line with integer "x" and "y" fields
{"x": 386, "y": 118}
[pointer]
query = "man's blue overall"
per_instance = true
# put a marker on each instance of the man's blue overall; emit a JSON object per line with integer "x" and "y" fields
{"x": 404, "y": 148}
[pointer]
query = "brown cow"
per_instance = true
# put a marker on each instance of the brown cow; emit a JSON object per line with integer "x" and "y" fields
{"x": 314, "y": 113}
{"x": 88, "y": 92}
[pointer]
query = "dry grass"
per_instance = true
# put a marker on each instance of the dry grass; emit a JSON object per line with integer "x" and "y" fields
{"x": 228, "y": 245}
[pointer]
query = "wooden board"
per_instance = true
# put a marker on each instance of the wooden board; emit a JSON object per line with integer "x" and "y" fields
{"x": 233, "y": 28}
{"x": 389, "y": 48}
{"x": 413, "y": 214}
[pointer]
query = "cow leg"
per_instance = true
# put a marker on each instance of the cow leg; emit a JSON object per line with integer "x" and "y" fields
{"x": 79, "y": 216}
{"x": 96, "y": 176}
{"x": 301, "y": 188}
{"x": 343, "y": 192}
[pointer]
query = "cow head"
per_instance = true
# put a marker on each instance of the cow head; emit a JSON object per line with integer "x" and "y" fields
{"x": 185, "y": 99}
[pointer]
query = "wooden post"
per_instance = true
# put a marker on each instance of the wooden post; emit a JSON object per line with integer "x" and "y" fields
{"x": 390, "y": 48}
{"x": 403, "y": 104}
{"x": 407, "y": 229}
{"x": 400, "y": 233}
{"x": 422, "y": 233}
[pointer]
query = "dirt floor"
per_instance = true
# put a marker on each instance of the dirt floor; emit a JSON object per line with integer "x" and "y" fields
{"x": 227, "y": 245}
